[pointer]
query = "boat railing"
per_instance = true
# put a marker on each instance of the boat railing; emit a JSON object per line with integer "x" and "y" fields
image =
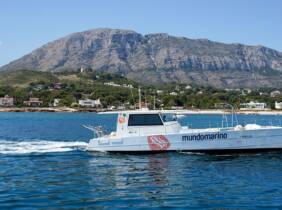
{"x": 270, "y": 122}
{"x": 242, "y": 122}
{"x": 98, "y": 131}
{"x": 218, "y": 125}
{"x": 231, "y": 110}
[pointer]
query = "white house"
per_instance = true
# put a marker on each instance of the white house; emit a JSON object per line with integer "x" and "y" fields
{"x": 112, "y": 84}
{"x": 246, "y": 91}
{"x": 253, "y": 106}
{"x": 118, "y": 85}
{"x": 7, "y": 101}
{"x": 275, "y": 93}
{"x": 56, "y": 102}
{"x": 89, "y": 103}
{"x": 278, "y": 105}
{"x": 160, "y": 91}
{"x": 173, "y": 94}
{"x": 127, "y": 86}
{"x": 188, "y": 87}
{"x": 33, "y": 102}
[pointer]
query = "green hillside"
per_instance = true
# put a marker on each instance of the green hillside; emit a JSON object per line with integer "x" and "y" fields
{"x": 23, "y": 78}
{"x": 116, "y": 90}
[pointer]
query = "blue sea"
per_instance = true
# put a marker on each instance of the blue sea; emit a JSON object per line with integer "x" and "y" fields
{"x": 44, "y": 165}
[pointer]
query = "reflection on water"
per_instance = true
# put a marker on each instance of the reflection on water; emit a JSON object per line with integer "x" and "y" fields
{"x": 181, "y": 180}
{"x": 135, "y": 179}
{"x": 85, "y": 180}
{"x": 158, "y": 169}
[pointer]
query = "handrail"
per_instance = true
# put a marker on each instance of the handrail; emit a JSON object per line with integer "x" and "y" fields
{"x": 98, "y": 131}
{"x": 233, "y": 114}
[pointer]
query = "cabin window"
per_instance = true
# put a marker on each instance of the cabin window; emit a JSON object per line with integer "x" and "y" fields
{"x": 144, "y": 120}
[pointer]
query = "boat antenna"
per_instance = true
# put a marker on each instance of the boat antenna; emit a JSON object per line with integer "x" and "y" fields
{"x": 133, "y": 101}
{"x": 140, "y": 102}
{"x": 145, "y": 100}
{"x": 154, "y": 101}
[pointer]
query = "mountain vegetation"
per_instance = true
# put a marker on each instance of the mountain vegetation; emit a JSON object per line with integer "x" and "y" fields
{"x": 116, "y": 90}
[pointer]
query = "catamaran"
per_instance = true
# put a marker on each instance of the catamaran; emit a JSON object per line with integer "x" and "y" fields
{"x": 146, "y": 130}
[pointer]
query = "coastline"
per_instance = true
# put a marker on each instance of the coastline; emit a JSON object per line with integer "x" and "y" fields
{"x": 220, "y": 111}
{"x": 180, "y": 112}
{"x": 45, "y": 109}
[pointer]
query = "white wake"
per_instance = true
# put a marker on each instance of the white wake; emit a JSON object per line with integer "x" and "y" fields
{"x": 39, "y": 146}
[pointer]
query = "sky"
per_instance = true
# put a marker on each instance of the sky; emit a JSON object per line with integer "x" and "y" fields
{"x": 27, "y": 24}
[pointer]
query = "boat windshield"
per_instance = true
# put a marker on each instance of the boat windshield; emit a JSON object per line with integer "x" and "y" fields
{"x": 144, "y": 120}
{"x": 168, "y": 117}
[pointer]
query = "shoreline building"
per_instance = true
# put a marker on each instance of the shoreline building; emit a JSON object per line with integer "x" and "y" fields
{"x": 252, "y": 105}
{"x": 33, "y": 102}
{"x": 278, "y": 105}
{"x": 7, "y": 101}
{"x": 90, "y": 103}
{"x": 275, "y": 93}
{"x": 56, "y": 102}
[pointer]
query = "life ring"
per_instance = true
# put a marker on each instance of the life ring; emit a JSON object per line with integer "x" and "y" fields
{"x": 121, "y": 120}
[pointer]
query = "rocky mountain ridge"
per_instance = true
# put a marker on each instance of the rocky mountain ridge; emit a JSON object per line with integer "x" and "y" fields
{"x": 156, "y": 58}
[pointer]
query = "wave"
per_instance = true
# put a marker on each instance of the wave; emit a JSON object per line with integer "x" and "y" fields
{"x": 39, "y": 146}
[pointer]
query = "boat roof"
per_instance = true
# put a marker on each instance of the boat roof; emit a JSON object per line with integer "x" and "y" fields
{"x": 142, "y": 111}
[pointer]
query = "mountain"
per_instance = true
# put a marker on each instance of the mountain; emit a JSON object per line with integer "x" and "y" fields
{"x": 157, "y": 58}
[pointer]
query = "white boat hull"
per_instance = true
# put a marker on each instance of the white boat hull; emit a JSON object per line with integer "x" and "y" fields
{"x": 201, "y": 140}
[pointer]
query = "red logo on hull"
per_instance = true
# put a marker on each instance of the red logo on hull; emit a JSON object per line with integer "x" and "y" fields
{"x": 158, "y": 143}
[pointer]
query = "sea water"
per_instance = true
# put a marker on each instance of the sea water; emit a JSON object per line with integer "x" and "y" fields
{"x": 44, "y": 165}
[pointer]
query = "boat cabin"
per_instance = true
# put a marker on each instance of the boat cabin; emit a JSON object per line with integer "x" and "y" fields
{"x": 144, "y": 122}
